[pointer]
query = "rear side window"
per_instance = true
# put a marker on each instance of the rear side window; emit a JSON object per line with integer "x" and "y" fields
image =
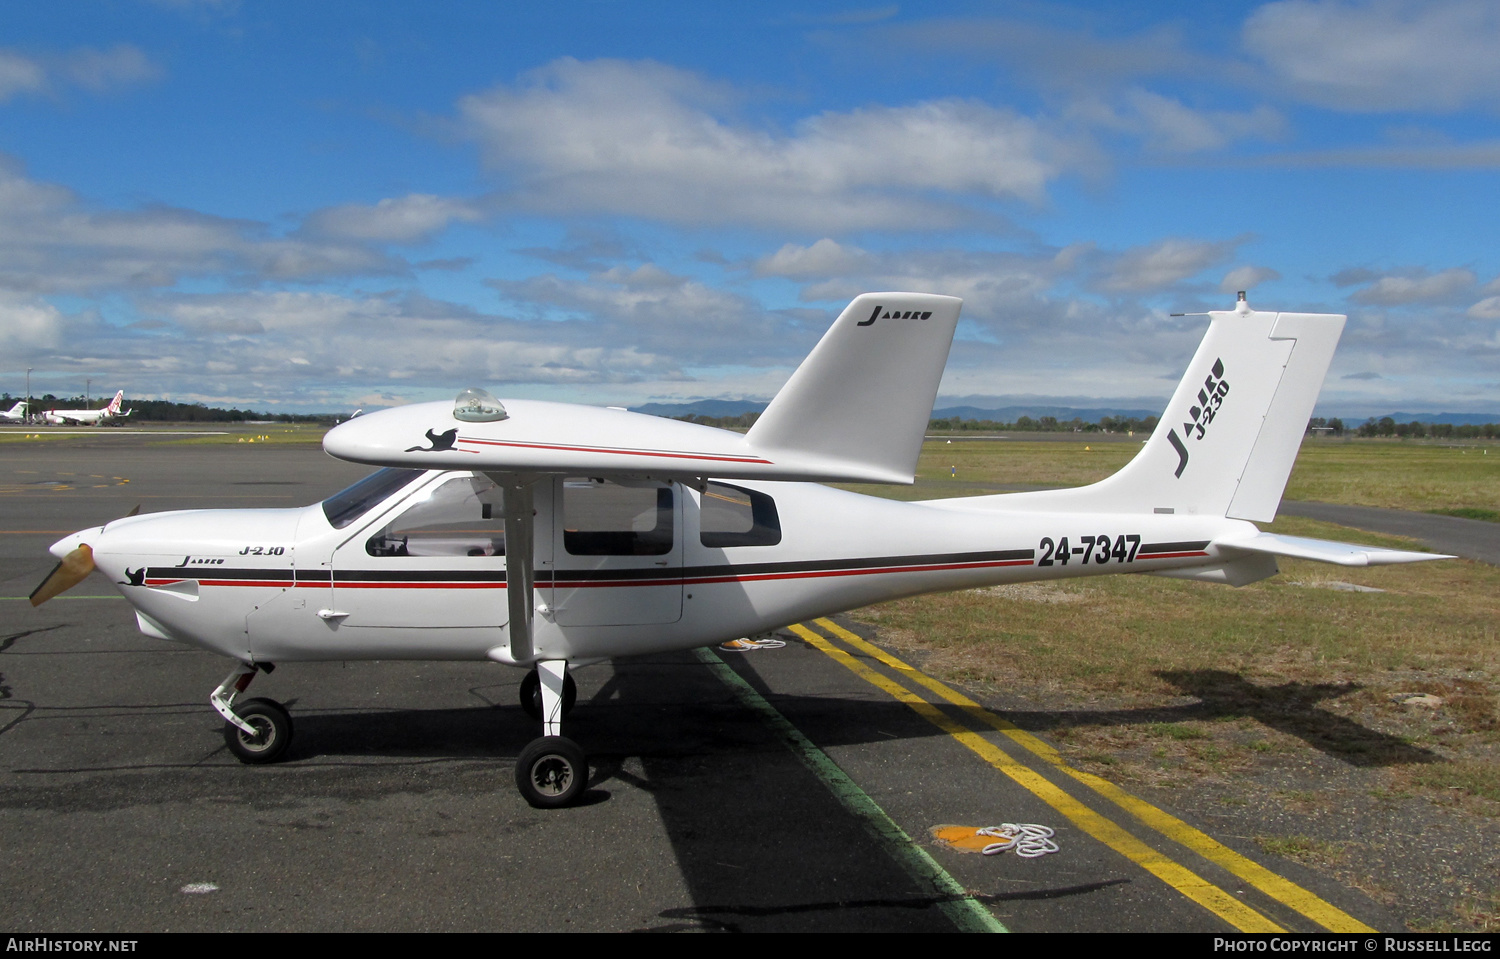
{"x": 348, "y": 505}
{"x": 604, "y": 518}
{"x": 732, "y": 516}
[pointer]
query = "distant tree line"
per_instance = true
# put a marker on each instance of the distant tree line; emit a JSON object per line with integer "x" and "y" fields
{"x": 1319, "y": 424}
{"x": 1045, "y": 424}
{"x": 165, "y": 411}
{"x": 1385, "y": 426}
{"x": 742, "y": 422}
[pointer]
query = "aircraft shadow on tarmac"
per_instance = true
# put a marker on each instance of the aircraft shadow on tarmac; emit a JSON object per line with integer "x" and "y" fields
{"x": 1291, "y": 708}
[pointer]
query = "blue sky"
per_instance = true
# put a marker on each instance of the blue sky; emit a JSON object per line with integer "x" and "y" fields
{"x": 321, "y": 206}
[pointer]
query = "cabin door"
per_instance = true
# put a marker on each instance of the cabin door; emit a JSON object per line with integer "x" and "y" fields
{"x": 616, "y": 552}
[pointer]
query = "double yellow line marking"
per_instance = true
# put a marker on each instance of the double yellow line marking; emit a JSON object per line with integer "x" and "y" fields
{"x": 1179, "y": 877}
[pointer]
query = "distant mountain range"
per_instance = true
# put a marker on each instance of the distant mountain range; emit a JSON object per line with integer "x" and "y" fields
{"x": 1009, "y": 414}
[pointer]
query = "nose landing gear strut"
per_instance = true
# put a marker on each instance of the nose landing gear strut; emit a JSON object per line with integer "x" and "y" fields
{"x": 257, "y": 731}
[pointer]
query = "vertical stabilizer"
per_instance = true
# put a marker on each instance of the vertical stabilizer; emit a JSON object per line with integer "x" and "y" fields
{"x": 1226, "y": 443}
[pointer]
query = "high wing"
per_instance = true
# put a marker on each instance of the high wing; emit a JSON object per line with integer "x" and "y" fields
{"x": 854, "y": 411}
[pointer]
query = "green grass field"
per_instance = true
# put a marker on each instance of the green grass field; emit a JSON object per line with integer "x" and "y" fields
{"x": 257, "y": 433}
{"x": 1422, "y": 476}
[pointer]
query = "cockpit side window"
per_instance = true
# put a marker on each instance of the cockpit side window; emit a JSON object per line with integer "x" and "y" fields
{"x": 462, "y": 516}
{"x": 733, "y": 516}
{"x": 348, "y": 505}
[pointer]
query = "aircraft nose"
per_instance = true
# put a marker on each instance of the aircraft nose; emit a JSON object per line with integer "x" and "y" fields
{"x": 67, "y": 544}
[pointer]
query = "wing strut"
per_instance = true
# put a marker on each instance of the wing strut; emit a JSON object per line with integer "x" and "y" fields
{"x": 520, "y": 560}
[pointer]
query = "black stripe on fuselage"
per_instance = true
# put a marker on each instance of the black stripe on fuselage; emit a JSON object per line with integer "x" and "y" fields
{"x": 663, "y": 575}
{"x": 1151, "y": 549}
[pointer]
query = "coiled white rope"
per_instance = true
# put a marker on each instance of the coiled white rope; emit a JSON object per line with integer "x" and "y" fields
{"x": 1028, "y": 839}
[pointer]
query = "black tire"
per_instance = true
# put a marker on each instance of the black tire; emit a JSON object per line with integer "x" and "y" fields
{"x": 551, "y": 772}
{"x": 275, "y": 732}
{"x": 531, "y": 694}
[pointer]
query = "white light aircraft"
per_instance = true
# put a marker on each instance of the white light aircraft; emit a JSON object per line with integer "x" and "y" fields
{"x": 98, "y": 417}
{"x": 16, "y": 413}
{"x": 549, "y": 536}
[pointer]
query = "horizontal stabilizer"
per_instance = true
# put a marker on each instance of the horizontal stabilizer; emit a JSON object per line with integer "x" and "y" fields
{"x": 1326, "y": 551}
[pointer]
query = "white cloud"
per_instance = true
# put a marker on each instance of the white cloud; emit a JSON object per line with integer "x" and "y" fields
{"x": 97, "y": 71}
{"x": 1439, "y": 55}
{"x": 406, "y": 219}
{"x": 51, "y": 241}
{"x": 294, "y": 347}
{"x": 824, "y": 258}
{"x": 27, "y": 323}
{"x": 19, "y": 74}
{"x": 1416, "y": 286}
{"x": 1246, "y": 278}
{"x": 1161, "y": 264}
{"x": 645, "y": 139}
{"x": 669, "y": 315}
{"x": 1486, "y": 309}
{"x": 1170, "y": 126}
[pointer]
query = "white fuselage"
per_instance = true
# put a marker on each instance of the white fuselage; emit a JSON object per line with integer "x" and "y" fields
{"x": 98, "y": 417}
{"x": 287, "y": 585}
{"x": 78, "y": 417}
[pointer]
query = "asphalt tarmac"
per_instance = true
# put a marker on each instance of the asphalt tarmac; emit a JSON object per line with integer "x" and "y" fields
{"x": 792, "y": 789}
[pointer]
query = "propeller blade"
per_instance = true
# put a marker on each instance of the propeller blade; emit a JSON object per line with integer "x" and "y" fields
{"x": 74, "y": 569}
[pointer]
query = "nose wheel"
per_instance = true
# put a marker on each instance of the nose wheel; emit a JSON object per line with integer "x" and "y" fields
{"x": 273, "y": 732}
{"x": 551, "y": 771}
{"x": 257, "y": 731}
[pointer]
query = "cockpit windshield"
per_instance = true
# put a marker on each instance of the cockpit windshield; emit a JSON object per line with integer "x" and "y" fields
{"x": 346, "y": 506}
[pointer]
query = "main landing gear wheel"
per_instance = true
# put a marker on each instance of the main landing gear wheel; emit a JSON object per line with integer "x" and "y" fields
{"x": 273, "y": 732}
{"x": 551, "y": 772}
{"x": 531, "y": 694}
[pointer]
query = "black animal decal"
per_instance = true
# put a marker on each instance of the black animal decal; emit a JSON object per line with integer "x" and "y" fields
{"x": 134, "y": 577}
{"x": 441, "y": 442}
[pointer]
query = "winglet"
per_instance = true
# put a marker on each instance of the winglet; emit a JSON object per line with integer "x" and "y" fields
{"x": 865, "y": 393}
